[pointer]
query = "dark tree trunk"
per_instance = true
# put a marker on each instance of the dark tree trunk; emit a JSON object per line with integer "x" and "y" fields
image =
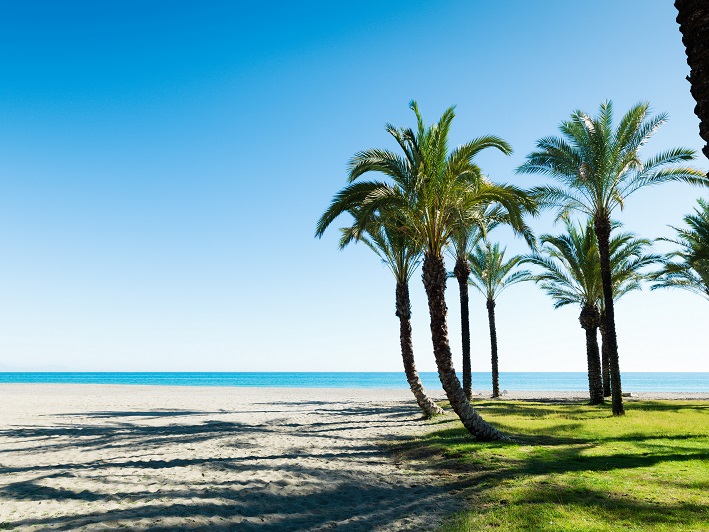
{"x": 693, "y": 19}
{"x": 602, "y": 226}
{"x": 605, "y": 363}
{"x": 403, "y": 311}
{"x": 493, "y": 347}
{"x": 461, "y": 272}
{"x": 434, "y": 280}
{"x": 589, "y": 319}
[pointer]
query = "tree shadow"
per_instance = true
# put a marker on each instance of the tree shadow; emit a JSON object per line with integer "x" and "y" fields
{"x": 540, "y": 461}
{"x": 348, "y": 506}
{"x": 132, "y": 468}
{"x": 668, "y": 406}
{"x": 540, "y": 503}
{"x": 157, "y": 413}
{"x": 521, "y": 409}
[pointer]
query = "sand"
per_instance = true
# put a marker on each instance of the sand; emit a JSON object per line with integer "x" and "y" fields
{"x": 93, "y": 457}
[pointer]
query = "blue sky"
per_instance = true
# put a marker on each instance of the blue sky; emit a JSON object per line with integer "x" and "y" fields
{"x": 162, "y": 166}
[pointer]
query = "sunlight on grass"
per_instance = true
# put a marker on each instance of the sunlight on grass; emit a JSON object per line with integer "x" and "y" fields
{"x": 576, "y": 467}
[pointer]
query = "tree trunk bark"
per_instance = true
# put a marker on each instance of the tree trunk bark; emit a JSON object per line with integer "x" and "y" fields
{"x": 602, "y": 226}
{"x": 589, "y": 319}
{"x": 434, "y": 280}
{"x": 403, "y": 311}
{"x": 493, "y": 347}
{"x": 462, "y": 272}
{"x": 693, "y": 20}
{"x": 605, "y": 363}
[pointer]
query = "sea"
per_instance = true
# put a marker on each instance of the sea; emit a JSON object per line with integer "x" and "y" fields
{"x": 511, "y": 381}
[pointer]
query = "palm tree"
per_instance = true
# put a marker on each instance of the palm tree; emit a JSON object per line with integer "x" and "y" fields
{"x": 571, "y": 274}
{"x": 490, "y": 275}
{"x": 693, "y": 20}
{"x": 402, "y": 258}
{"x": 431, "y": 192}
{"x": 692, "y": 271}
{"x": 628, "y": 258}
{"x": 599, "y": 166}
{"x": 463, "y": 241}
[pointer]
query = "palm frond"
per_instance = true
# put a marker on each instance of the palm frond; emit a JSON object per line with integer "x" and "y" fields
{"x": 691, "y": 271}
{"x": 350, "y": 197}
{"x": 490, "y": 273}
{"x": 598, "y": 166}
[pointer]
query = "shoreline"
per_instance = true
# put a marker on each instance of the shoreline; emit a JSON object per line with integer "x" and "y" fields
{"x": 380, "y": 394}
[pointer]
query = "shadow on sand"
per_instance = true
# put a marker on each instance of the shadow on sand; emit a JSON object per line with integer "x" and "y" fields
{"x": 181, "y": 469}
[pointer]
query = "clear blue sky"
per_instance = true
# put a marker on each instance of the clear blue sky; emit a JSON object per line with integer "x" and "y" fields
{"x": 163, "y": 164}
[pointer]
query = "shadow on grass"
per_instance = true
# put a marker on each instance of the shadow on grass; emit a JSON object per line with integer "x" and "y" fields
{"x": 543, "y": 409}
{"x": 545, "y": 508}
{"x": 544, "y": 472}
{"x": 667, "y": 406}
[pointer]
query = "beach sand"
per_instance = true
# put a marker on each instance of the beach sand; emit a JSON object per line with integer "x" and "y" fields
{"x": 93, "y": 457}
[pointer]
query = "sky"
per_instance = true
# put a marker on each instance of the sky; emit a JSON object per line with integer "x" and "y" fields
{"x": 163, "y": 165}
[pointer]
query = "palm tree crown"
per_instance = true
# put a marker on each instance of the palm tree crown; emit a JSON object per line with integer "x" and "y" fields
{"x": 571, "y": 269}
{"x": 599, "y": 166}
{"x": 432, "y": 191}
{"x": 490, "y": 274}
{"x": 691, "y": 272}
{"x": 399, "y": 254}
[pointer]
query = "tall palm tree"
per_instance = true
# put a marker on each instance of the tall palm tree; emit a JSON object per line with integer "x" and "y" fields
{"x": 628, "y": 259}
{"x": 402, "y": 257}
{"x": 463, "y": 241}
{"x": 693, "y": 20}
{"x": 431, "y": 191}
{"x": 491, "y": 275}
{"x": 598, "y": 167}
{"x": 571, "y": 274}
{"x": 691, "y": 272}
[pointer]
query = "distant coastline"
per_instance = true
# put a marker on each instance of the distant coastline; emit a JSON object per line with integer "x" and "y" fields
{"x": 512, "y": 381}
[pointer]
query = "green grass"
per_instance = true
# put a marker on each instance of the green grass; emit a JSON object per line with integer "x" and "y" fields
{"x": 576, "y": 467}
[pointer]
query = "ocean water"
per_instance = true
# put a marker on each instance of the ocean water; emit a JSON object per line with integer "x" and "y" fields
{"x": 513, "y": 381}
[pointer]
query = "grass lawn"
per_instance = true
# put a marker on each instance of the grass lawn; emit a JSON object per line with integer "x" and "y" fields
{"x": 576, "y": 467}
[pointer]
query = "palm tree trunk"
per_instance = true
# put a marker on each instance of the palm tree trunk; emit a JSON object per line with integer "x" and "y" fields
{"x": 434, "y": 280}
{"x": 403, "y": 311}
{"x": 605, "y": 363}
{"x": 589, "y": 319}
{"x": 602, "y": 226}
{"x": 462, "y": 272}
{"x": 493, "y": 347}
{"x": 693, "y": 19}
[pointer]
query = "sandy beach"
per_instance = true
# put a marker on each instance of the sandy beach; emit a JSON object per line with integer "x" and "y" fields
{"x": 101, "y": 456}
{"x": 95, "y": 456}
